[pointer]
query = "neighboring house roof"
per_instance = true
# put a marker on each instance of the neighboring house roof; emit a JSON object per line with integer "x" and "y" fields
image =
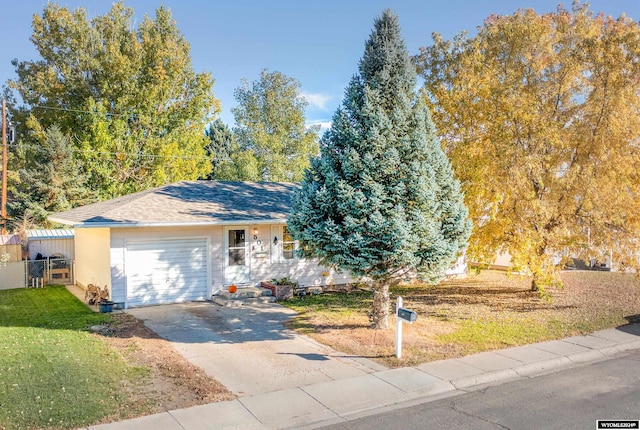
{"x": 10, "y": 239}
{"x": 58, "y": 233}
{"x": 188, "y": 203}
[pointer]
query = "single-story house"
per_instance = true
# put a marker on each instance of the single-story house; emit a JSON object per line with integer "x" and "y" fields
{"x": 188, "y": 240}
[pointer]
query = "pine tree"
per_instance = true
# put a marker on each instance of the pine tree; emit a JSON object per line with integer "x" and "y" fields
{"x": 229, "y": 161}
{"x": 381, "y": 201}
{"x": 52, "y": 182}
{"x": 221, "y": 143}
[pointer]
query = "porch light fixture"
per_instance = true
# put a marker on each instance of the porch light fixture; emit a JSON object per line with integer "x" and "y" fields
{"x": 255, "y": 233}
{"x": 275, "y": 240}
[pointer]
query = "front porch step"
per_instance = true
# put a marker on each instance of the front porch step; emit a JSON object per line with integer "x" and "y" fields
{"x": 244, "y": 293}
{"x": 243, "y": 296}
{"x": 221, "y": 301}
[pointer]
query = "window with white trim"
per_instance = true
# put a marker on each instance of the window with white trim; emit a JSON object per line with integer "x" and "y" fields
{"x": 283, "y": 247}
{"x": 289, "y": 245}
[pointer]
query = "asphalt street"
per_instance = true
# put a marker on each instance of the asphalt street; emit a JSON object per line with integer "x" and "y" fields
{"x": 574, "y": 398}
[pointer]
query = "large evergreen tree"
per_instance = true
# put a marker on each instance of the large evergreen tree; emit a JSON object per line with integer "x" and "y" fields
{"x": 381, "y": 201}
{"x": 52, "y": 181}
{"x": 221, "y": 143}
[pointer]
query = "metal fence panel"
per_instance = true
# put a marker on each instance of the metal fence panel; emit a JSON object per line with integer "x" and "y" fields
{"x": 59, "y": 271}
{"x": 36, "y": 273}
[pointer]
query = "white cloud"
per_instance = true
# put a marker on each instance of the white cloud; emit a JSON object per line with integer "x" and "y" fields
{"x": 317, "y": 100}
{"x": 324, "y": 125}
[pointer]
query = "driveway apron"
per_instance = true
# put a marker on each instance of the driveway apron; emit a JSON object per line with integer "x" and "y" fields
{"x": 247, "y": 348}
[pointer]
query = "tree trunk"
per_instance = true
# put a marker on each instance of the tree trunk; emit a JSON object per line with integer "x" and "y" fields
{"x": 380, "y": 312}
{"x": 534, "y": 284}
{"x": 537, "y": 266}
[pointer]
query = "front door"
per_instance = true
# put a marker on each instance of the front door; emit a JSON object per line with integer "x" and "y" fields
{"x": 236, "y": 256}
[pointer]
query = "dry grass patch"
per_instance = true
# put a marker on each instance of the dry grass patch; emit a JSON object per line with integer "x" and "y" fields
{"x": 482, "y": 312}
{"x": 172, "y": 381}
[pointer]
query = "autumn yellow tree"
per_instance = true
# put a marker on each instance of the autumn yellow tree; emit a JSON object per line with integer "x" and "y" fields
{"x": 539, "y": 114}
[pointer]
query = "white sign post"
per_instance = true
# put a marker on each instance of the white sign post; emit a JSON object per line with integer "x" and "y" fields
{"x": 406, "y": 315}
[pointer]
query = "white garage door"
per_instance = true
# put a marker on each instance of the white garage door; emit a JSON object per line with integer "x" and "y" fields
{"x": 166, "y": 271}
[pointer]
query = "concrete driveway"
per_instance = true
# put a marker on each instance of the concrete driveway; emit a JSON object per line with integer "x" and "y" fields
{"x": 247, "y": 348}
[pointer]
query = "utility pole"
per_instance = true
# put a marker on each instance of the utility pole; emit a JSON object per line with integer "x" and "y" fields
{"x": 3, "y": 211}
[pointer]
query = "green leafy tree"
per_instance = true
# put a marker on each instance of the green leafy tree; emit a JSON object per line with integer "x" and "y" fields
{"x": 229, "y": 162}
{"x": 270, "y": 125}
{"x": 127, "y": 97}
{"x": 52, "y": 182}
{"x": 381, "y": 201}
{"x": 539, "y": 116}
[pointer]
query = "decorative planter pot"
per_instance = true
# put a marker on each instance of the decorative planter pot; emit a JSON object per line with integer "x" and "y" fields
{"x": 280, "y": 292}
{"x": 232, "y": 289}
{"x": 105, "y": 307}
{"x": 269, "y": 286}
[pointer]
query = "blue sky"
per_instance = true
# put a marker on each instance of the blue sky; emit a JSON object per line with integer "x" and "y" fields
{"x": 318, "y": 42}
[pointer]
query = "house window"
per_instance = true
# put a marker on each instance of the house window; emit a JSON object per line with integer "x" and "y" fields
{"x": 288, "y": 245}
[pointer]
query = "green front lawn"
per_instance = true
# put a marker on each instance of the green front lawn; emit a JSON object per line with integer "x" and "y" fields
{"x": 54, "y": 373}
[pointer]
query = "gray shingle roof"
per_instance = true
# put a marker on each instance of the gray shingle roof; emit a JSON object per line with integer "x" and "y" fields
{"x": 188, "y": 203}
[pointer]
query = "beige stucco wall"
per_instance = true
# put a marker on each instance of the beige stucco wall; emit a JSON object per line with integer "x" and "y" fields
{"x": 93, "y": 265}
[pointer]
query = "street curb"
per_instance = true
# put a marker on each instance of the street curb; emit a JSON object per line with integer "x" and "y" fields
{"x": 538, "y": 368}
{"x": 485, "y": 378}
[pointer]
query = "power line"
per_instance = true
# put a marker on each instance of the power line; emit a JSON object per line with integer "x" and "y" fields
{"x": 114, "y": 154}
{"x": 76, "y": 110}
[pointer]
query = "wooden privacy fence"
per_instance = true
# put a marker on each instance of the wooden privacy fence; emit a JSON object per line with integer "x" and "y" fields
{"x": 10, "y": 248}
{"x": 13, "y": 251}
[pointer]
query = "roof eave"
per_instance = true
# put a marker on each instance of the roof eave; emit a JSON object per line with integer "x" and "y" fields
{"x": 130, "y": 224}
{"x": 61, "y": 221}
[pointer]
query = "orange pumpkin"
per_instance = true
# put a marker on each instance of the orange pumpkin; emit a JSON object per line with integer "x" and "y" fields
{"x": 232, "y": 289}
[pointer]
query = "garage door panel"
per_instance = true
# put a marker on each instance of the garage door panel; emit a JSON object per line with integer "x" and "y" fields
{"x": 155, "y": 297}
{"x": 166, "y": 271}
{"x": 152, "y": 265}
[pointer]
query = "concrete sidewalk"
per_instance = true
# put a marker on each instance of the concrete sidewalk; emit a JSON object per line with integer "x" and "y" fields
{"x": 325, "y": 403}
